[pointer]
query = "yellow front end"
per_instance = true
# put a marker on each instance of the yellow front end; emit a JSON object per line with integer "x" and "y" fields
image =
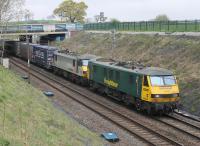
{"x": 85, "y": 72}
{"x": 164, "y": 94}
{"x": 159, "y": 94}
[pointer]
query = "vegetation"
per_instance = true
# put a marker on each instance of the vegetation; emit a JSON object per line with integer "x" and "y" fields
{"x": 10, "y": 10}
{"x": 71, "y": 11}
{"x": 114, "y": 21}
{"x": 28, "y": 118}
{"x": 177, "y": 53}
{"x": 161, "y": 18}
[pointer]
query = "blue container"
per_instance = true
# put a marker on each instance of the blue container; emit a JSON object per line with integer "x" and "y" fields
{"x": 43, "y": 55}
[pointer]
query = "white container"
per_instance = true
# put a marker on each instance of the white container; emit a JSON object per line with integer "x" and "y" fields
{"x": 6, "y": 62}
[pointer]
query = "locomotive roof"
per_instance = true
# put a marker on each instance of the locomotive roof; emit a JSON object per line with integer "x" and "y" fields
{"x": 75, "y": 55}
{"x": 136, "y": 68}
{"x": 156, "y": 71}
{"x": 44, "y": 47}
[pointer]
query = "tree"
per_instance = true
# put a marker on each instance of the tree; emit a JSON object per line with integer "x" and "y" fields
{"x": 71, "y": 11}
{"x": 9, "y": 10}
{"x": 28, "y": 15}
{"x": 162, "y": 17}
{"x": 114, "y": 20}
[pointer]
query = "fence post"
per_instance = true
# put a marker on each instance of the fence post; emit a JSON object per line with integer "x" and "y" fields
{"x": 168, "y": 26}
{"x": 185, "y": 25}
{"x": 153, "y": 25}
{"x": 195, "y": 25}
{"x": 176, "y": 25}
{"x": 134, "y": 26}
{"x": 160, "y": 25}
{"x": 118, "y": 26}
{"x": 128, "y": 25}
{"x": 140, "y": 25}
{"x": 146, "y": 26}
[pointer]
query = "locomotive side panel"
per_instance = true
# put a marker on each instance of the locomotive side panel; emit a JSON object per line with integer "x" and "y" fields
{"x": 117, "y": 80}
{"x": 66, "y": 62}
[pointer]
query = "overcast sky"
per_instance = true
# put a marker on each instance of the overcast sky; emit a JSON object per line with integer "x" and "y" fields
{"x": 125, "y": 10}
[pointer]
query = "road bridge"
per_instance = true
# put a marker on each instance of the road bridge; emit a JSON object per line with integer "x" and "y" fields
{"x": 31, "y": 29}
{"x": 56, "y": 31}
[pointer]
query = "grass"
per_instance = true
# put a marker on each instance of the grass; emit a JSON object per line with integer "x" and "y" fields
{"x": 28, "y": 118}
{"x": 177, "y": 53}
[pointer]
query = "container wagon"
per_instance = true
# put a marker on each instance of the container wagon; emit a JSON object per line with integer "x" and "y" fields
{"x": 43, "y": 55}
{"x": 24, "y": 51}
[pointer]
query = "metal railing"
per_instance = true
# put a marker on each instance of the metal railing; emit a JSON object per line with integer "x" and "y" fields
{"x": 23, "y": 28}
{"x": 147, "y": 26}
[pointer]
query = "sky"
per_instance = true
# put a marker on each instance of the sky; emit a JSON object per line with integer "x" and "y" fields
{"x": 125, "y": 10}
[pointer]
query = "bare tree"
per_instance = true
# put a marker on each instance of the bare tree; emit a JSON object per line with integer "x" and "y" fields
{"x": 9, "y": 10}
{"x": 28, "y": 15}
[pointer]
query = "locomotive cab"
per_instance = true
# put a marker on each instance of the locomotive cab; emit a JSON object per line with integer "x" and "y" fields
{"x": 84, "y": 68}
{"x": 160, "y": 92}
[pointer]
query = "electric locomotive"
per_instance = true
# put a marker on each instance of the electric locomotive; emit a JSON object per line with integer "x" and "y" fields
{"x": 73, "y": 66}
{"x": 148, "y": 88}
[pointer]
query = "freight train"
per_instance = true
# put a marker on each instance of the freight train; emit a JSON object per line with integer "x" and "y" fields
{"x": 149, "y": 89}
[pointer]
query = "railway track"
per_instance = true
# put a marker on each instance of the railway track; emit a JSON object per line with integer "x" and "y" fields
{"x": 186, "y": 115}
{"x": 192, "y": 131}
{"x": 134, "y": 127}
{"x": 127, "y": 121}
{"x": 186, "y": 121}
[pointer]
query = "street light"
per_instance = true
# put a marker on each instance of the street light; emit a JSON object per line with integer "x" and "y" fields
{"x": 27, "y": 41}
{"x": 113, "y": 41}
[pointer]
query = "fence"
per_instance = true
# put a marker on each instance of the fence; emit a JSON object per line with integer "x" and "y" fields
{"x": 156, "y": 26}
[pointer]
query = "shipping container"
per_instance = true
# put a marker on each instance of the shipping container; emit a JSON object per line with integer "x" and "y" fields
{"x": 24, "y": 50}
{"x": 43, "y": 55}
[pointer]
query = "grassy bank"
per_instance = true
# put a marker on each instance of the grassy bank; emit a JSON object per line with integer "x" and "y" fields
{"x": 177, "y": 53}
{"x": 27, "y": 118}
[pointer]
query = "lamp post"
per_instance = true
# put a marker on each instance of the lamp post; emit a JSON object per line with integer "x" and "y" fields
{"x": 27, "y": 41}
{"x": 113, "y": 41}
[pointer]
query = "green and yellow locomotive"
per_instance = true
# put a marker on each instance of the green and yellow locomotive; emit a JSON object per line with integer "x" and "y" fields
{"x": 148, "y": 88}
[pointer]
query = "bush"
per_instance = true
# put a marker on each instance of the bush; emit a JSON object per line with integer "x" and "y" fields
{"x": 4, "y": 142}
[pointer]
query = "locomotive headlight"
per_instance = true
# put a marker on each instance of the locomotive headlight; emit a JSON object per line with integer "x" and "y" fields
{"x": 84, "y": 68}
{"x": 155, "y": 96}
{"x": 176, "y": 95}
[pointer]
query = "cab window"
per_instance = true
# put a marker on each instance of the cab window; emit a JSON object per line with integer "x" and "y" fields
{"x": 145, "y": 82}
{"x": 74, "y": 63}
{"x": 85, "y": 62}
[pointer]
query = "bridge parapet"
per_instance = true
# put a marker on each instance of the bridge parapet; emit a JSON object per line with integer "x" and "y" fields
{"x": 40, "y": 28}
